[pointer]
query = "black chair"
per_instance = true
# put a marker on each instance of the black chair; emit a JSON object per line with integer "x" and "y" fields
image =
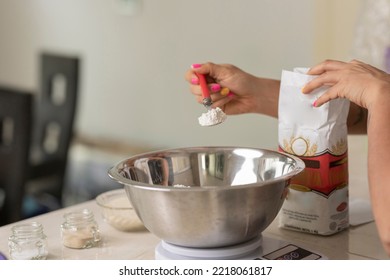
{"x": 15, "y": 138}
{"x": 55, "y": 111}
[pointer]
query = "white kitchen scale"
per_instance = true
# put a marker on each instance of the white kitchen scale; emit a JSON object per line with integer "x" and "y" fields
{"x": 259, "y": 248}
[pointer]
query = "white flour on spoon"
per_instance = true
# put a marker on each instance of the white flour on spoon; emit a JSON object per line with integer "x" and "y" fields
{"x": 212, "y": 117}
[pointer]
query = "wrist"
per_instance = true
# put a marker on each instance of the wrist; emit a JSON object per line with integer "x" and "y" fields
{"x": 267, "y": 97}
{"x": 379, "y": 97}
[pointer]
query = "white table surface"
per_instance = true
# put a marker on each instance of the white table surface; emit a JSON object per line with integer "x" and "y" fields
{"x": 359, "y": 242}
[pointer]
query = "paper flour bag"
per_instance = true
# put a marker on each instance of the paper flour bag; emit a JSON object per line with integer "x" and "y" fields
{"x": 317, "y": 201}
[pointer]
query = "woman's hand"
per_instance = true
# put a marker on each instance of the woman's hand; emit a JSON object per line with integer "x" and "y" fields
{"x": 367, "y": 87}
{"x": 247, "y": 92}
{"x": 361, "y": 83}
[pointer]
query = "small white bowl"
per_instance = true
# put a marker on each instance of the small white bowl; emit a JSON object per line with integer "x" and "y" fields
{"x": 118, "y": 212}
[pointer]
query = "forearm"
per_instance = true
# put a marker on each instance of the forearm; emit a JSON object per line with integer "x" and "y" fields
{"x": 267, "y": 99}
{"x": 378, "y": 168}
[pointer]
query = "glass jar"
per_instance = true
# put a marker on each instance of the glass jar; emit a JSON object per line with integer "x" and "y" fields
{"x": 28, "y": 242}
{"x": 80, "y": 230}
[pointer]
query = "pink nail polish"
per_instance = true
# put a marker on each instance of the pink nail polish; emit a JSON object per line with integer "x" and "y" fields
{"x": 194, "y": 81}
{"x": 315, "y": 103}
{"x": 196, "y": 65}
{"x": 230, "y": 94}
{"x": 215, "y": 87}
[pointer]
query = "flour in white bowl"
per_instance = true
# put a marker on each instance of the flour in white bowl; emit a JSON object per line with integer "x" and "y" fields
{"x": 181, "y": 186}
{"x": 212, "y": 117}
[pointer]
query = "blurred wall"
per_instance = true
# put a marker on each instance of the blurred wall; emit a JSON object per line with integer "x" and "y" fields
{"x": 135, "y": 53}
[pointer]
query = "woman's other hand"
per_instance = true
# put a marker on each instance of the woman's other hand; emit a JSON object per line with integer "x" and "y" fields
{"x": 361, "y": 83}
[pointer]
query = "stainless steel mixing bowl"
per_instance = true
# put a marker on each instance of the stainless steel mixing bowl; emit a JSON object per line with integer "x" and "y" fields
{"x": 207, "y": 197}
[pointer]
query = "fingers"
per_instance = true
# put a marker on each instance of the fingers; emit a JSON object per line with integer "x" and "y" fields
{"x": 213, "y": 88}
{"x": 217, "y": 93}
{"x": 220, "y": 96}
{"x": 206, "y": 69}
{"x": 193, "y": 79}
{"x": 214, "y": 72}
{"x": 325, "y": 79}
{"x": 220, "y": 101}
{"x": 202, "y": 68}
{"x": 332, "y": 93}
{"x": 190, "y": 74}
{"x": 327, "y": 65}
{"x": 328, "y": 73}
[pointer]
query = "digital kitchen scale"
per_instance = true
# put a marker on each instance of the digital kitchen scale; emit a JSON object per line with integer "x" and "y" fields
{"x": 259, "y": 248}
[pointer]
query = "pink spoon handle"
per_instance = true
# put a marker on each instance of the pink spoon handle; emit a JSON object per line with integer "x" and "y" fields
{"x": 203, "y": 85}
{"x": 207, "y": 102}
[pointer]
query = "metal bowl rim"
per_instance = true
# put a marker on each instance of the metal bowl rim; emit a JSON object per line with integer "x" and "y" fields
{"x": 113, "y": 172}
